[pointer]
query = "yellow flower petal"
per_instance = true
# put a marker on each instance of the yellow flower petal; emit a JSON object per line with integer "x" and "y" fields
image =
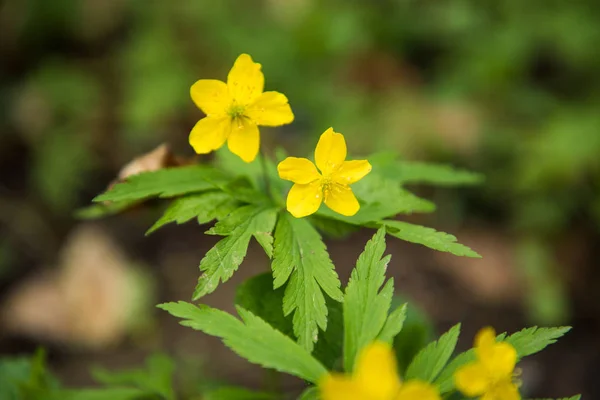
{"x": 341, "y": 200}
{"x": 502, "y": 360}
{"x": 270, "y": 109}
{"x": 503, "y": 391}
{"x": 211, "y": 96}
{"x": 472, "y": 379}
{"x": 330, "y": 152}
{"x": 351, "y": 171}
{"x": 340, "y": 387}
{"x": 484, "y": 342}
{"x": 298, "y": 170}
{"x": 376, "y": 372}
{"x": 498, "y": 358}
{"x": 417, "y": 390}
{"x": 244, "y": 139}
{"x": 245, "y": 80}
{"x": 305, "y": 199}
{"x": 209, "y": 134}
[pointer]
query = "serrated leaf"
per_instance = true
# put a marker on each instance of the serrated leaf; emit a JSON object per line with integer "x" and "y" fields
{"x": 410, "y": 172}
{"x": 251, "y": 338}
{"x": 393, "y": 324}
{"x": 430, "y": 361}
{"x": 300, "y": 256}
{"x": 532, "y": 340}
{"x": 221, "y": 261}
{"x": 380, "y": 199}
{"x": 101, "y": 210}
{"x": 205, "y": 207}
{"x": 429, "y": 237}
{"x": 156, "y": 378}
{"x": 365, "y": 305}
{"x": 329, "y": 348}
{"x": 168, "y": 182}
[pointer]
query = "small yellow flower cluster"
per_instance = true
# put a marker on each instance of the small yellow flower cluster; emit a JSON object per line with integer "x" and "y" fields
{"x": 491, "y": 374}
{"x": 375, "y": 376}
{"x": 235, "y": 109}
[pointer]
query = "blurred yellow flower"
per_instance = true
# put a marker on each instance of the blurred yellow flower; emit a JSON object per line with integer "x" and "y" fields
{"x": 375, "y": 378}
{"x": 491, "y": 375}
{"x": 331, "y": 185}
{"x": 235, "y": 109}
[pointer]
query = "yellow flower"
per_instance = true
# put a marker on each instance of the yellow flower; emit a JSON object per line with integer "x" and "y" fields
{"x": 491, "y": 375}
{"x": 375, "y": 378}
{"x": 330, "y": 185}
{"x": 235, "y": 109}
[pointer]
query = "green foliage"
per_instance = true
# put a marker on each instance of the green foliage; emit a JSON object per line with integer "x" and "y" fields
{"x": 393, "y": 325}
{"x": 312, "y": 393}
{"x": 533, "y": 340}
{"x": 234, "y": 393}
{"x": 24, "y": 378}
{"x": 411, "y": 172}
{"x": 258, "y": 296}
{"x": 251, "y": 338}
{"x": 366, "y": 303}
{"x": 168, "y": 182}
{"x": 220, "y": 262}
{"x": 205, "y": 207}
{"x": 430, "y": 361}
{"x": 300, "y": 256}
{"x": 429, "y": 237}
{"x": 155, "y": 379}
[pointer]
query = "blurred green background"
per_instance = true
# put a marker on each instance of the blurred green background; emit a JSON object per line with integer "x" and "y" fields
{"x": 508, "y": 88}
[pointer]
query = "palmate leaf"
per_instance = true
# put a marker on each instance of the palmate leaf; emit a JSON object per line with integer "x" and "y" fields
{"x": 365, "y": 305}
{"x": 252, "y": 338}
{"x": 221, "y": 261}
{"x": 300, "y": 256}
{"x": 430, "y": 361}
{"x": 380, "y": 198}
{"x": 204, "y": 207}
{"x": 429, "y": 237}
{"x": 527, "y": 342}
{"x": 168, "y": 182}
{"x": 410, "y": 172}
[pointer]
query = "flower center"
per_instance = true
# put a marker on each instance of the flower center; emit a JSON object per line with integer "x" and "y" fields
{"x": 235, "y": 111}
{"x": 327, "y": 184}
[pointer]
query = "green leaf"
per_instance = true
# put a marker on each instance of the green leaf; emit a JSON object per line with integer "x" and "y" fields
{"x": 430, "y": 361}
{"x": 380, "y": 199}
{"x": 532, "y": 340}
{"x": 410, "y": 172}
{"x": 252, "y": 338}
{"x": 156, "y": 378}
{"x": 445, "y": 380}
{"x": 365, "y": 306}
{"x": 417, "y": 331}
{"x": 329, "y": 348}
{"x": 429, "y": 237}
{"x": 235, "y": 393}
{"x": 393, "y": 324}
{"x": 102, "y": 394}
{"x": 311, "y": 393}
{"x": 204, "y": 207}
{"x": 26, "y": 377}
{"x": 168, "y": 182}
{"x": 300, "y": 256}
{"x": 101, "y": 210}
{"x": 221, "y": 261}
{"x": 258, "y": 296}
{"x": 576, "y": 397}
